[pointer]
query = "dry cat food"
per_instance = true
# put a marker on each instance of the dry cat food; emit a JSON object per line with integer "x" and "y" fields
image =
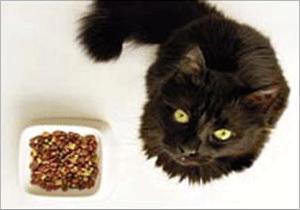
{"x": 64, "y": 161}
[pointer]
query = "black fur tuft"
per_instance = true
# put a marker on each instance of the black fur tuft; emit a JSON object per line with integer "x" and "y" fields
{"x": 109, "y": 23}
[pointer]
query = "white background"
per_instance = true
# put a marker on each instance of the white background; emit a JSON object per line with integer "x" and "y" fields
{"x": 46, "y": 74}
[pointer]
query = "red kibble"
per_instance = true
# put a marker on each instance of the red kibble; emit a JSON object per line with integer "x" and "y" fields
{"x": 63, "y": 161}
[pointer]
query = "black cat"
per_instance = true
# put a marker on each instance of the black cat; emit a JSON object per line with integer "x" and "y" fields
{"x": 214, "y": 92}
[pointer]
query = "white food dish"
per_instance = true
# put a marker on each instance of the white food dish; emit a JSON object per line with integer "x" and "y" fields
{"x": 106, "y": 179}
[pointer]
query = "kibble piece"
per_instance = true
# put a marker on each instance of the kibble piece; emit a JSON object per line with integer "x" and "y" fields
{"x": 71, "y": 146}
{"x": 64, "y": 161}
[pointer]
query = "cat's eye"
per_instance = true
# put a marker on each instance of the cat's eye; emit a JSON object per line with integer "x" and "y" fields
{"x": 181, "y": 116}
{"x": 222, "y": 134}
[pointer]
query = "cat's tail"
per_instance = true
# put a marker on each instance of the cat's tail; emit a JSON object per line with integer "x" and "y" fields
{"x": 108, "y": 23}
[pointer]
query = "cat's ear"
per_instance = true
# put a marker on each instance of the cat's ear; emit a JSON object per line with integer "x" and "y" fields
{"x": 193, "y": 61}
{"x": 262, "y": 99}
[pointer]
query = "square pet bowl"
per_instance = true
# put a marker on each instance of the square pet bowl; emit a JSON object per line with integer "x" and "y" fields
{"x": 106, "y": 150}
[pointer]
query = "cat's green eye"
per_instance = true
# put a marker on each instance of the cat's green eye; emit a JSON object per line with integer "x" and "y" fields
{"x": 181, "y": 116}
{"x": 222, "y": 134}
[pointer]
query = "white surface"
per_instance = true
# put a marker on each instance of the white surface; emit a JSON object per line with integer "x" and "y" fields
{"x": 45, "y": 74}
{"x": 106, "y": 152}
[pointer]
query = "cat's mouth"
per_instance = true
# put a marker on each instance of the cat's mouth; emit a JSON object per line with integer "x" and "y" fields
{"x": 189, "y": 160}
{"x": 193, "y": 160}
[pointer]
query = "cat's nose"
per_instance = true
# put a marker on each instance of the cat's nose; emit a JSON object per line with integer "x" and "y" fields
{"x": 188, "y": 152}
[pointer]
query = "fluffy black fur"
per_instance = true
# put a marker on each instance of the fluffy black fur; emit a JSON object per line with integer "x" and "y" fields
{"x": 109, "y": 23}
{"x": 222, "y": 73}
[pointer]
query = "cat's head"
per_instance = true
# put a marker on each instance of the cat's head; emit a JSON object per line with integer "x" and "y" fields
{"x": 203, "y": 121}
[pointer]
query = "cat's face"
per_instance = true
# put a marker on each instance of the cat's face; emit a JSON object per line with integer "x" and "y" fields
{"x": 202, "y": 124}
{"x": 204, "y": 121}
